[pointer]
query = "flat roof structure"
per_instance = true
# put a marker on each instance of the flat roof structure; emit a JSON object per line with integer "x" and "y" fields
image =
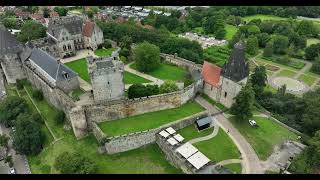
{"x": 178, "y": 137}
{"x": 164, "y": 134}
{"x": 198, "y": 160}
{"x": 172, "y": 141}
{"x": 186, "y": 150}
{"x": 170, "y": 130}
{"x": 204, "y": 121}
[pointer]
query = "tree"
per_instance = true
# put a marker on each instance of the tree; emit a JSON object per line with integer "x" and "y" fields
{"x": 316, "y": 66}
{"x": 10, "y": 23}
{"x": 89, "y": 14}
{"x": 252, "y": 45}
{"x": 147, "y": 57}
{"x": 311, "y": 116}
{"x": 46, "y": 12}
{"x": 107, "y": 44}
{"x": 299, "y": 42}
{"x": 60, "y": 117}
{"x": 4, "y": 140}
{"x": 190, "y": 55}
{"x": 242, "y": 107}
{"x": 253, "y": 30}
{"x": 312, "y": 52}
{"x": 284, "y": 59}
{"x": 258, "y": 80}
{"x": 62, "y": 11}
{"x": 139, "y": 90}
{"x": 263, "y": 39}
{"x": 74, "y": 163}
{"x": 31, "y": 30}
{"x": 28, "y": 137}
{"x": 125, "y": 42}
{"x": 306, "y": 28}
{"x": 10, "y": 108}
{"x": 280, "y": 44}
{"x": 168, "y": 86}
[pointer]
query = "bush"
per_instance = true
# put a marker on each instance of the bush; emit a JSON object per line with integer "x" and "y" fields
{"x": 19, "y": 84}
{"x": 107, "y": 44}
{"x": 168, "y": 86}
{"x": 284, "y": 60}
{"x": 60, "y": 117}
{"x": 139, "y": 90}
{"x": 124, "y": 59}
{"x": 37, "y": 94}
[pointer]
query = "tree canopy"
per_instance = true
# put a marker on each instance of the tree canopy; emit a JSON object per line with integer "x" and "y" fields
{"x": 168, "y": 86}
{"x": 147, "y": 57}
{"x": 10, "y": 108}
{"x": 31, "y": 30}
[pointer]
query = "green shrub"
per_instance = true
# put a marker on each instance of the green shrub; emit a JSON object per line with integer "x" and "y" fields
{"x": 37, "y": 94}
{"x": 19, "y": 84}
{"x": 60, "y": 117}
{"x": 107, "y": 44}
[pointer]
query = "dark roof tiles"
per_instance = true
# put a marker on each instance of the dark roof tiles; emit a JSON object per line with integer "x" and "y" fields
{"x": 8, "y": 43}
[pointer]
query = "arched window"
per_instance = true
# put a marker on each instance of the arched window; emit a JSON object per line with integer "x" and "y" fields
{"x": 69, "y": 46}
{"x": 64, "y": 47}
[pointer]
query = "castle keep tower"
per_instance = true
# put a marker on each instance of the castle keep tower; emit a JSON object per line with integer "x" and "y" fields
{"x": 107, "y": 78}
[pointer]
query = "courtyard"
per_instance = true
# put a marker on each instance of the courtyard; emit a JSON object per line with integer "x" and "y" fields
{"x": 149, "y": 120}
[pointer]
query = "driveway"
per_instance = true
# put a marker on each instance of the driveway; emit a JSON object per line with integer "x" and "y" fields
{"x": 20, "y": 162}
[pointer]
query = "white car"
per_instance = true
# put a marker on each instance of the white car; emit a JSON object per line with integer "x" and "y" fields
{"x": 12, "y": 171}
{"x": 253, "y": 123}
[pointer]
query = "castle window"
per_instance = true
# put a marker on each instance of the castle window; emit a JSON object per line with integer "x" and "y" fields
{"x": 69, "y": 46}
{"x": 108, "y": 82}
{"x": 211, "y": 88}
{"x": 64, "y": 47}
{"x": 66, "y": 38}
{"x": 62, "y": 38}
{"x": 225, "y": 94}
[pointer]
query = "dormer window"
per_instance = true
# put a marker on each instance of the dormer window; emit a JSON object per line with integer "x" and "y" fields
{"x": 65, "y": 75}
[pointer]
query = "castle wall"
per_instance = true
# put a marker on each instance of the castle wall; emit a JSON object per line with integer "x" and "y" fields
{"x": 69, "y": 84}
{"x": 211, "y": 91}
{"x": 12, "y": 67}
{"x": 229, "y": 90}
{"x": 137, "y": 139}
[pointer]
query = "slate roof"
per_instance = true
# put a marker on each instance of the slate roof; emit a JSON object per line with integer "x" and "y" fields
{"x": 50, "y": 65}
{"x": 72, "y": 24}
{"x": 8, "y": 43}
{"x": 211, "y": 74}
{"x": 204, "y": 121}
{"x": 236, "y": 69}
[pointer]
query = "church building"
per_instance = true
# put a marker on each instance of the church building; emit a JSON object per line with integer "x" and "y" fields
{"x": 224, "y": 84}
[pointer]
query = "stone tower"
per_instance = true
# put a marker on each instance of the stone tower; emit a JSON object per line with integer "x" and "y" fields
{"x": 234, "y": 75}
{"x": 12, "y": 54}
{"x": 106, "y": 78}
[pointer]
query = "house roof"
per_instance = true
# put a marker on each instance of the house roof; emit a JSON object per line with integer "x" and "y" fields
{"x": 8, "y": 43}
{"x": 47, "y": 63}
{"x": 73, "y": 24}
{"x": 204, "y": 121}
{"x": 237, "y": 68}
{"x": 211, "y": 73}
{"x": 88, "y": 28}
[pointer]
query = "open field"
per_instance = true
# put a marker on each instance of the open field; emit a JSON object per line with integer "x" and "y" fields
{"x": 191, "y": 132}
{"x": 235, "y": 167}
{"x": 265, "y": 137}
{"x": 311, "y": 41}
{"x": 309, "y": 80}
{"x": 262, "y": 17}
{"x": 231, "y": 30}
{"x": 286, "y": 73}
{"x": 149, "y": 120}
{"x": 130, "y": 78}
{"x": 166, "y": 72}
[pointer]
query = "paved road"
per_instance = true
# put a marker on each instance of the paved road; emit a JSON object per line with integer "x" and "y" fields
{"x": 250, "y": 159}
{"x": 19, "y": 161}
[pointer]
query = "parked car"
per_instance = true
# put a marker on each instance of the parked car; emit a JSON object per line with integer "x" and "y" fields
{"x": 253, "y": 123}
{"x": 12, "y": 171}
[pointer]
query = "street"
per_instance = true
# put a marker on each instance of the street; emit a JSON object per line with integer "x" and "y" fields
{"x": 19, "y": 161}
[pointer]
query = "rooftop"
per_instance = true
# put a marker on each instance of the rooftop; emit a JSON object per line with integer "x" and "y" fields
{"x": 211, "y": 73}
{"x": 8, "y": 43}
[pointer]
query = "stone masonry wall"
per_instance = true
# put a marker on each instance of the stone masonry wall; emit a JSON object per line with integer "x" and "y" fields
{"x": 137, "y": 139}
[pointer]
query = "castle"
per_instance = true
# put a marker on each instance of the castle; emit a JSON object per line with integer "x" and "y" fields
{"x": 66, "y": 35}
{"x": 223, "y": 85}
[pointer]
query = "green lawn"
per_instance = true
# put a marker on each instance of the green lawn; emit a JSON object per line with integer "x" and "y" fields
{"x": 219, "y": 148}
{"x": 294, "y": 63}
{"x": 311, "y": 41}
{"x": 130, "y": 78}
{"x": 166, "y": 72}
{"x": 236, "y": 167}
{"x": 231, "y": 30}
{"x": 149, "y": 159}
{"x": 265, "y": 137}
{"x": 80, "y": 66}
{"x": 309, "y": 80}
{"x": 191, "y": 132}
{"x": 149, "y": 120}
{"x": 104, "y": 52}
{"x": 270, "y": 88}
{"x": 286, "y": 73}
{"x": 262, "y": 17}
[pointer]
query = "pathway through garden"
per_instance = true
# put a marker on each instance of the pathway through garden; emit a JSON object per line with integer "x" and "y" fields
{"x": 146, "y": 76}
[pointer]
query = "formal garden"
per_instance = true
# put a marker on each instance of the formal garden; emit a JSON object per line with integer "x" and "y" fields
{"x": 149, "y": 120}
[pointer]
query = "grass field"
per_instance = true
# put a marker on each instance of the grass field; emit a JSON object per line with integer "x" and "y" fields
{"x": 286, "y": 73}
{"x": 104, "y": 52}
{"x": 149, "y": 120}
{"x": 166, "y": 72}
{"x": 130, "y": 78}
{"x": 265, "y": 137}
{"x": 219, "y": 148}
{"x": 294, "y": 63}
{"x": 311, "y": 41}
{"x": 147, "y": 160}
{"x": 309, "y": 80}
{"x": 80, "y": 66}
{"x": 191, "y": 132}
{"x": 262, "y": 17}
{"x": 231, "y": 30}
{"x": 236, "y": 167}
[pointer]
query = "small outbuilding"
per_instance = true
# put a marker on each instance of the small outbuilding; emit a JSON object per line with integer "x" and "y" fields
{"x": 204, "y": 123}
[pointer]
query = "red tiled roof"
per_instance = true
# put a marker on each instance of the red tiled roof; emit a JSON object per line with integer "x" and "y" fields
{"x": 211, "y": 73}
{"x": 88, "y": 29}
